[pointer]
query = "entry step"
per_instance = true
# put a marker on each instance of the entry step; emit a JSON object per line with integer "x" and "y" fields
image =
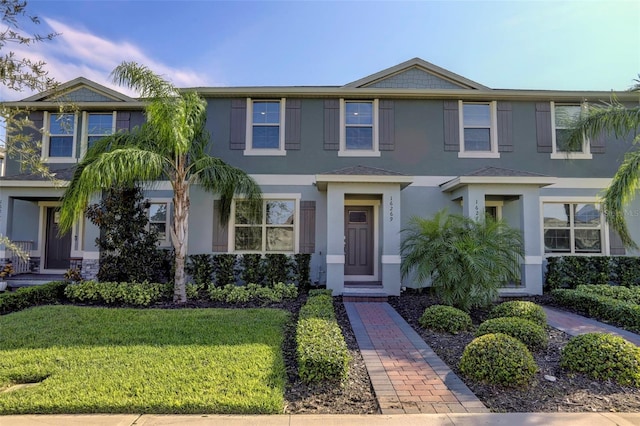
{"x": 364, "y": 297}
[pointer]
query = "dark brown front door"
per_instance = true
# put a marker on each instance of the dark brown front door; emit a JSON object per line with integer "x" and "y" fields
{"x": 358, "y": 223}
{"x": 57, "y": 248}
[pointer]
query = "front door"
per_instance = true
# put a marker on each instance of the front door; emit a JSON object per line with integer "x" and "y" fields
{"x": 358, "y": 233}
{"x": 57, "y": 248}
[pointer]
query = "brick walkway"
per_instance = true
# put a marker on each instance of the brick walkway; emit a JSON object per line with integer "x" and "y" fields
{"x": 574, "y": 325}
{"x": 407, "y": 376}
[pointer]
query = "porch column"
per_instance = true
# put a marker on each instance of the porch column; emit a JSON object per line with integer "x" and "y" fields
{"x": 6, "y": 209}
{"x": 335, "y": 239}
{"x": 391, "y": 277}
{"x": 473, "y": 202}
{"x": 533, "y": 252}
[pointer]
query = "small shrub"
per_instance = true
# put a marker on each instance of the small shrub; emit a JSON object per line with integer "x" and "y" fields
{"x": 232, "y": 293}
{"x": 251, "y": 268}
{"x": 528, "y": 332}
{"x": 200, "y": 267}
{"x": 498, "y": 359}
{"x": 224, "y": 269}
{"x": 603, "y": 356}
{"x": 136, "y": 294}
{"x": 26, "y": 297}
{"x": 277, "y": 268}
{"x": 303, "y": 270}
{"x": 445, "y": 318}
{"x": 627, "y": 294}
{"x": 520, "y": 309}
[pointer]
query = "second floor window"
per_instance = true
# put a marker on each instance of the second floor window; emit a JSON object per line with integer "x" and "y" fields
{"x": 358, "y": 125}
{"x": 265, "y": 127}
{"x": 62, "y": 133}
{"x": 565, "y": 117}
{"x": 99, "y": 125}
{"x": 478, "y": 137}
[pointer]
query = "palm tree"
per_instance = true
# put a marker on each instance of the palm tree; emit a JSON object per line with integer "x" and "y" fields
{"x": 465, "y": 260}
{"x": 615, "y": 118}
{"x": 171, "y": 146}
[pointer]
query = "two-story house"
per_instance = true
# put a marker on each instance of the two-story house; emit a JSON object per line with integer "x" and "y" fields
{"x": 343, "y": 168}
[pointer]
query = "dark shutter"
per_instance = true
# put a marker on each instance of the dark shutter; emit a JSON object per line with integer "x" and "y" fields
{"x": 331, "y": 125}
{"x": 505, "y": 127}
{"x": 451, "y": 126}
{"x": 307, "y": 226}
{"x": 123, "y": 120}
{"x": 616, "y": 248}
{"x": 598, "y": 144}
{"x": 292, "y": 124}
{"x": 387, "y": 126}
{"x": 37, "y": 118}
{"x": 543, "y": 127}
{"x": 238, "y": 131}
{"x": 220, "y": 231}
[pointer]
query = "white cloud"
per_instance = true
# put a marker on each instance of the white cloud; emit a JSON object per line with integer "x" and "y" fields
{"x": 76, "y": 52}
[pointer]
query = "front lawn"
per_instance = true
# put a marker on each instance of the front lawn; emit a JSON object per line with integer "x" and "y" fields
{"x": 103, "y": 360}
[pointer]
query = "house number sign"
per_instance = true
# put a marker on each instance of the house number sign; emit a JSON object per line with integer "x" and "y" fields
{"x": 477, "y": 211}
{"x": 390, "y": 209}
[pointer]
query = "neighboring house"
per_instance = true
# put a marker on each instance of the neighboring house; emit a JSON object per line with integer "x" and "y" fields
{"x": 344, "y": 168}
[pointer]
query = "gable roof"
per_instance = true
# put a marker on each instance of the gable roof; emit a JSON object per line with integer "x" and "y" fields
{"x": 64, "y": 89}
{"x": 421, "y": 66}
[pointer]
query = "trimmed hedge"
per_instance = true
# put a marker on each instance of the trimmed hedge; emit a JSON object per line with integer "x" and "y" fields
{"x": 25, "y": 297}
{"x": 109, "y": 293}
{"x": 232, "y": 293}
{"x": 627, "y": 294}
{"x": 321, "y": 349}
{"x": 528, "y": 332}
{"x": 445, "y": 318}
{"x": 572, "y": 271}
{"x": 498, "y": 359}
{"x": 520, "y": 309}
{"x": 618, "y": 312}
{"x": 603, "y": 356}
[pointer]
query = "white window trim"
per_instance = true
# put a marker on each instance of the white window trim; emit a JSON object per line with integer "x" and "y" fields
{"x": 295, "y": 197}
{"x": 561, "y": 155}
{"x": 45, "y": 140}
{"x": 84, "y": 142}
{"x": 604, "y": 226}
{"x": 343, "y": 151}
{"x": 493, "y": 130}
{"x": 166, "y": 242}
{"x": 249, "y": 150}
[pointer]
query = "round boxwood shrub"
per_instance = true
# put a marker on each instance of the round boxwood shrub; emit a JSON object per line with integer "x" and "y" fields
{"x": 498, "y": 359}
{"x": 603, "y": 356}
{"x": 528, "y": 332}
{"x": 520, "y": 309}
{"x": 445, "y": 318}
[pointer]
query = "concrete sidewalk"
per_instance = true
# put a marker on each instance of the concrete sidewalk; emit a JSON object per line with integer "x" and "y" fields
{"x": 451, "y": 419}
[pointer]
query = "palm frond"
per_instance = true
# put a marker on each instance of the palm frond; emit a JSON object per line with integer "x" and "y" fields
{"x": 143, "y": 80}
{"x": 613, "y": 118}
{"x": 100, "y": 170}
{"x": 622, "y": 190}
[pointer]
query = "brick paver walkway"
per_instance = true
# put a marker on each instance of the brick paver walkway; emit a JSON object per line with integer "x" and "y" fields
{"x": 407, "y": 376}
{"x": 574, "y": 325}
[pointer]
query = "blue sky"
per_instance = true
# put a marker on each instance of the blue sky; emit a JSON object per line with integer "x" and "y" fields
{"x": 572, "y": 45}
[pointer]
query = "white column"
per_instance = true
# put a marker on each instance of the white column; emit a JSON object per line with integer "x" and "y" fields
{"x": 335, "y": 238}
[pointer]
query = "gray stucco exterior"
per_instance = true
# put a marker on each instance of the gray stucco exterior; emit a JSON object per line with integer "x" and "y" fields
{"x": 417, "y": 168}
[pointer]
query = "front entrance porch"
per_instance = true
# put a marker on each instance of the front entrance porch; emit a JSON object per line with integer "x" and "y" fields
{"x": 363, "y": 230}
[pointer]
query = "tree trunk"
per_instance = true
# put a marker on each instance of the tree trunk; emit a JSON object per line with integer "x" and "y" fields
{"x": 179, "y": 237}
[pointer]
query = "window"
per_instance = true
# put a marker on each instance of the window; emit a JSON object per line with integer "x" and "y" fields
{"x": 572, "y": 228}
{"x": 98, "y": 125}
{"x": 478, "y": 136}
{"x": 60, "y": 140}
{"x": 265, "y": 127}
{"x": 564, "y": 116}
{"x": 270, "y": 229}
{"x": 359, "y": 128}
{"x": 159, "y": 220}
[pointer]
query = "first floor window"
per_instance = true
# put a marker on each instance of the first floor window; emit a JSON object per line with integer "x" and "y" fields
{"x": 268, "y": 227}
{"x": 572, "y": 228}
{"x": 158, "y": 220}
{"x": 62, "y": 130}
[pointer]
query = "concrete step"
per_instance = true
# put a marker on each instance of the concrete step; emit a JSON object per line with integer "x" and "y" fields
{"x": 361, "y": 296}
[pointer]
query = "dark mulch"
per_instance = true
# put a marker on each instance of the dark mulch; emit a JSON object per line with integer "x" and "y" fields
{"x": 569, "y": 393}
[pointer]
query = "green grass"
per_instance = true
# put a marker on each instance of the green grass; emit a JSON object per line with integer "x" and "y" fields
{"x": 101, "y": 360}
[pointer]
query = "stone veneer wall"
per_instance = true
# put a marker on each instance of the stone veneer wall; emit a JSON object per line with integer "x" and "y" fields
{"x": 89, "y": 269}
